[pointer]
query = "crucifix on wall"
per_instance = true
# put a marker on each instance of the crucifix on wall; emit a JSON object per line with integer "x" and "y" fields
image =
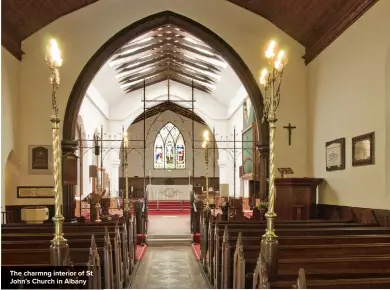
{"x": 289, "y": 128}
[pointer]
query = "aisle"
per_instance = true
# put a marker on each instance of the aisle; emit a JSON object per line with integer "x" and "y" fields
{"x": 171, "y": 267}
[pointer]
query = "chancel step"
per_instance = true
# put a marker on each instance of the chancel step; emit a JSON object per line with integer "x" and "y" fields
{"x": 164, "y": 240}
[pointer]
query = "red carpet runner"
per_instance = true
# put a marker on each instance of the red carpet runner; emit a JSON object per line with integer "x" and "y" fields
{"x": 168, "y": 207}
{"x": 141, "y": 251}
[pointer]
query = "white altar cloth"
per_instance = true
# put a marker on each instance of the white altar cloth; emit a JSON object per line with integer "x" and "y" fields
{"x": 168, "y": 192}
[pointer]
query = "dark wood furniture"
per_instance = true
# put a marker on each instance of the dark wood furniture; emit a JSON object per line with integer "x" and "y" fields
{"x": 296, "y": 198}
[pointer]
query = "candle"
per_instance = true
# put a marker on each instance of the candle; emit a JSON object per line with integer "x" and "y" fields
{"x": 264, "y": 76}
{"x": 55, "y": 53}
{"x": 125, "y": 140}
{"x": 270, "y": 52}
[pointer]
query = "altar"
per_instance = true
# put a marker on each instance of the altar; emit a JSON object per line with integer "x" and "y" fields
{"x": 168, "y": 192}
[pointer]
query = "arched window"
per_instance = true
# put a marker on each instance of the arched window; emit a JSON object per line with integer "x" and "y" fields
{"x": 169, "y": 148}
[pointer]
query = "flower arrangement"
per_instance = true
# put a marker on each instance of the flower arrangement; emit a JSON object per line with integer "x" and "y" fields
{"x": 263, "y": 205}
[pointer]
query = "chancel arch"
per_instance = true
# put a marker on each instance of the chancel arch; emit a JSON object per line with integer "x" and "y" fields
{"x": 143, "y": 26}
{"x": 185, "y": 73}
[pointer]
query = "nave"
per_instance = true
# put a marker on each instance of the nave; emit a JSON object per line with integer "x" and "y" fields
{"x": 169, "y": 267}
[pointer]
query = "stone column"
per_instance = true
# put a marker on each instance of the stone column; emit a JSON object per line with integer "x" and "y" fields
{"x": 114, "y": 184}
{"x": 263, "y": 150}
{"x": 69, "y": 178}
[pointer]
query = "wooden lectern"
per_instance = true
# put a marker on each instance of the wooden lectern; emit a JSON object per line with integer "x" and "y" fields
{"x": 296, "y": 198}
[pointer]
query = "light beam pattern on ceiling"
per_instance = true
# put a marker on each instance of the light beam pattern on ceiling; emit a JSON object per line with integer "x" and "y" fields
{"x": 167, "y": 53}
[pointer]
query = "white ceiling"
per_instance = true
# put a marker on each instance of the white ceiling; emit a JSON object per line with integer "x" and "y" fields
{"x": 108, "y": 87}
{"x": 216, "y": 104}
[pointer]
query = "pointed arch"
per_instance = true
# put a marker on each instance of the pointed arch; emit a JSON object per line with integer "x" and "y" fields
{"x": 169, "y": 148}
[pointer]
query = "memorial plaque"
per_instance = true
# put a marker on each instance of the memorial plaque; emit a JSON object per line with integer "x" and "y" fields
{"x": 40, "y": 160}
{"x": 335, "y": 154}
{"x": 35, "y": 192}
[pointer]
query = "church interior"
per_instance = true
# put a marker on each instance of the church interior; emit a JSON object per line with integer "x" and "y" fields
{"x": 195, "y": 144}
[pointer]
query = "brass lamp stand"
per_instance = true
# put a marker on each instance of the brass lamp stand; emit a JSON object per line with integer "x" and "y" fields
{"x": 126, "y": 212}
{"x": 205, "y": 146}
{"x": 271, "y": 79}
{"x": 59, "y": 247}
{"x": 207, "y": 210}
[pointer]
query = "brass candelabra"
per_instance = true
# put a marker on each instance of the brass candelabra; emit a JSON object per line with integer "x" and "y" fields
{"x": 59, "y": 246}
{"x": 127, "y": 202}
{"x": 205, "y": 146}
{"x": 271, "y": 79}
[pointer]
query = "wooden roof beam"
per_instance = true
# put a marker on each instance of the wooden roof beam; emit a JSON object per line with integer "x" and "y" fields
{"x": 148, "y": 82}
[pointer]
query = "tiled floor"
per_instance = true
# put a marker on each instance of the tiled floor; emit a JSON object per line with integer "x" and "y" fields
{"x": 169, "y": 268}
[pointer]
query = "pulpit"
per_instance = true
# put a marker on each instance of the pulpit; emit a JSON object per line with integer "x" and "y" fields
{"x": 296, "y": 198}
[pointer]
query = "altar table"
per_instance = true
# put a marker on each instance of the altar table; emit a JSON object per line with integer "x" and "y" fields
{"x": 168, "y": 192}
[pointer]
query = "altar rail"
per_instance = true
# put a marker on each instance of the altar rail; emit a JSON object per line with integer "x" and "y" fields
{"x": 137, "y": 183}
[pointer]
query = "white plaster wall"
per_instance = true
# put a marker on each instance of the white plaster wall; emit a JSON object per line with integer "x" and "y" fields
{"x": 153, "y": 126}
{"x": 387, "y": 80}
{"x": 347, "y": 98}
{"x": 235, "y": 121}
{"x": 93, "y": 119}
{"x": 82, "y": 33}
{"x": 10, "y": 68}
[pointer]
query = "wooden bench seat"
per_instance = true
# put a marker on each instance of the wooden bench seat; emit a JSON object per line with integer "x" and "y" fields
{"x": 323, "y": 268}
{"x": 44, "y": 244}
{"x": 334, "y": 273}
{"x": 312, "y": 221}
{"x": 42, "y": 256}
{"x": 253, "y": 225}
{"x": 359, "y": 283}
{"x": 21, "y": 248}
{"x": 68, "y": 229}
{"x": 48, "y": 237}
{"x": 363, "y": 262}
{"x": 312, "y": 231}
{"x": 51, "y": 225}
{"x": 343, "y": 268}
{"x": 322, "y": 251}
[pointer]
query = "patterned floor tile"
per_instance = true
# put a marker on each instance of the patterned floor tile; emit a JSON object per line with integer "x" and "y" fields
{"x": 169, "y": 268}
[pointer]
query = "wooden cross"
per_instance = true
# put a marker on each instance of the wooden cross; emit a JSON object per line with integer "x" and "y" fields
{"x": 289, "y": 128}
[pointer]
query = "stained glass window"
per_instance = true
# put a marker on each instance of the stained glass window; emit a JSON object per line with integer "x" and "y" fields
{"x": 169, "y": 148}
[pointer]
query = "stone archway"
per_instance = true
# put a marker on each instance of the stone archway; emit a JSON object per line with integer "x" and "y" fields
{"x": 134, "y": 30}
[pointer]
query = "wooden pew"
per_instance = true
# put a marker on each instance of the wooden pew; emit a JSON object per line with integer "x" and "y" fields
{"x": 224, "y": 248}
{"x": 372, "y": 265}
{"x": 124, "y": 247}
{"x": 259, "y": 226}
{"x": 348, "y": 272}
{"x": 256, "y": 240}
{"x": 362, "y": 283}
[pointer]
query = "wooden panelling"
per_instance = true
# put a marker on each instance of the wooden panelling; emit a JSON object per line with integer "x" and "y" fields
{"x": 358, "y": 214}
{"x": 313, "y": 23}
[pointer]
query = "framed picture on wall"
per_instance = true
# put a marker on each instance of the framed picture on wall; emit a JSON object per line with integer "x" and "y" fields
{"x": 363, "y": 149}
{"x": 335, "y": 154}
{"x": 40, "y": 160}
